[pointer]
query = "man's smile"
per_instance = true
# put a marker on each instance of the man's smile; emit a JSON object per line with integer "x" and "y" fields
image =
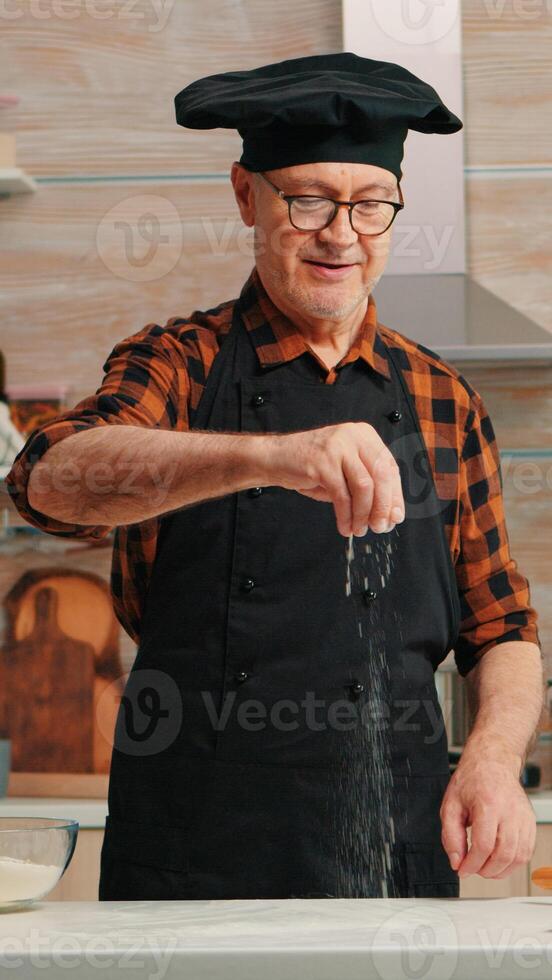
{"x": 330, "y": 270}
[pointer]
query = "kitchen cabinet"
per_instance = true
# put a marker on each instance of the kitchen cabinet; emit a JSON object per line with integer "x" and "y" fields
{"x": 475, "y": 886}
{"x": 80, "y": 881}
{"x": 542, "y": 855}
{"x": 519, "y": 882}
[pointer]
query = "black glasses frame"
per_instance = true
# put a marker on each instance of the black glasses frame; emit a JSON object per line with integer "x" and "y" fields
{"x": 290, "y": 198}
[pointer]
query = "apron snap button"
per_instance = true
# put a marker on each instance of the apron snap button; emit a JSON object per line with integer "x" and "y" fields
{"x": 241, "y": 676}
{"x": 258, "y": 400}
{"x": 370, "y": 595}
{"x": 248, "y": 584}
{"x": 355, "y": 690}
{"x": 255, "y": 491}
{"x": 395, "y": 416}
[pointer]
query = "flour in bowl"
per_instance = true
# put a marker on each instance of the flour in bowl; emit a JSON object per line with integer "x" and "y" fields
{"x": 25, "y": 879}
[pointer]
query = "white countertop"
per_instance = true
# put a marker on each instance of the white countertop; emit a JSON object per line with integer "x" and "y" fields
{"x": 288, "y": 939}
{"x": 542, "y": 805}
{"x": 91, "y": 813}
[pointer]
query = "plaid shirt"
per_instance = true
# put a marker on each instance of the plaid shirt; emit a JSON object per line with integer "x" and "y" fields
{"x": 153, "y": 378}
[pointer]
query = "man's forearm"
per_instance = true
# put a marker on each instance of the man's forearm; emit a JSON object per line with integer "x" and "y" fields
{"x": 122, "y": 474}
{"x": 507, "y": 691}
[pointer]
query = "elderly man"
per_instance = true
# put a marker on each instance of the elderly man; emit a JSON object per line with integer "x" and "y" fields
{"x": 308, "y": 518}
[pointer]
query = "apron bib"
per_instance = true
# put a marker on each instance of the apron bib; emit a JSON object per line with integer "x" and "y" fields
{"x": 280, "y": 733}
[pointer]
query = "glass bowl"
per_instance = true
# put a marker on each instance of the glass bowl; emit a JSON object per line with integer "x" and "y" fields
{"x": 34, "y": 853}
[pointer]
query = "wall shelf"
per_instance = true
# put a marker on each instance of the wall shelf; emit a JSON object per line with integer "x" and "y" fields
{"x": 14, "y": 180}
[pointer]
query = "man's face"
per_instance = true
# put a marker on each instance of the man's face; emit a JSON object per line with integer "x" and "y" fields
{"x": 284, "y": 255}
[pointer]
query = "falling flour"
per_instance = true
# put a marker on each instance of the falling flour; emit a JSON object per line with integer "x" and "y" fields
{"x": 21, "y": 880}
{"x": 364, "y": 823}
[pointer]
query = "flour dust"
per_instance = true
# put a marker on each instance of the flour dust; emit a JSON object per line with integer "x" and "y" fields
{"x": 364, "y": 823}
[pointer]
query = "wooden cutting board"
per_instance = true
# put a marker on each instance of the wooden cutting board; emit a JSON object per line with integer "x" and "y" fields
{"x": 56, "y": 641}
{"x": 48, "y": 686}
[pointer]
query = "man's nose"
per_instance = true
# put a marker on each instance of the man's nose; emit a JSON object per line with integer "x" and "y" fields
{"x": 340, "y": 230}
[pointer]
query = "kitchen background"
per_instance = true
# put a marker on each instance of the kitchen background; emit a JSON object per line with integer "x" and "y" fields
{"x": 122, "y": 218}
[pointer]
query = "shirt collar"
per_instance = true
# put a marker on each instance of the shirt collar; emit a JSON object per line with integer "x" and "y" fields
{"x": 276, "y": 339}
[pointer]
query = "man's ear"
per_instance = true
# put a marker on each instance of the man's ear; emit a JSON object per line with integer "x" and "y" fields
{"x": 244, "y": 184}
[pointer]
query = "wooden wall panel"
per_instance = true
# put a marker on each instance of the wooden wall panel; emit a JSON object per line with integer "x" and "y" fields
{"x": 508, "y": 240}
{"x": 69, "y": 275}
{"x": 519, "y": 403}
{"x": 507, "y": 81}
{"x": 97, "y": 92}
{"x": 74, "y": 285}
{"x": 117, "y": 85}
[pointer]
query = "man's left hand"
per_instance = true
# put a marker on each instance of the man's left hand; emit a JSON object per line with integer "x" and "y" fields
{"x": 486, "y": 794}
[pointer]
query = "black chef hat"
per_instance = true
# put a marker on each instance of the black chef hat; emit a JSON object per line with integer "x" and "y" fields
{"x": 337, "y": 107}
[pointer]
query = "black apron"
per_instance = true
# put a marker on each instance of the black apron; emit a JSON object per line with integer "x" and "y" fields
{"x": 280, "y": 733}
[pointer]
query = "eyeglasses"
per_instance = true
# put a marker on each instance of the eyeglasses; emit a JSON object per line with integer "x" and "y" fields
{"x": 309, "y": 212}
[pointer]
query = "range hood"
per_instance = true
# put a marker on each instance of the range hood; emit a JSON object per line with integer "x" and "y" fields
{"x": 459, "y": 319}
{"x": 427, "y": 292}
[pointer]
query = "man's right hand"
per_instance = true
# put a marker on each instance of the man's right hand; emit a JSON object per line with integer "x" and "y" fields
{"x": 347, "y": 465}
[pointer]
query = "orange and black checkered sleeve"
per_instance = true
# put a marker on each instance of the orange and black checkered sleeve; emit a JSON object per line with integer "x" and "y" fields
{"x": 494, "y": 594}
{"x": 145, "y": 383}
